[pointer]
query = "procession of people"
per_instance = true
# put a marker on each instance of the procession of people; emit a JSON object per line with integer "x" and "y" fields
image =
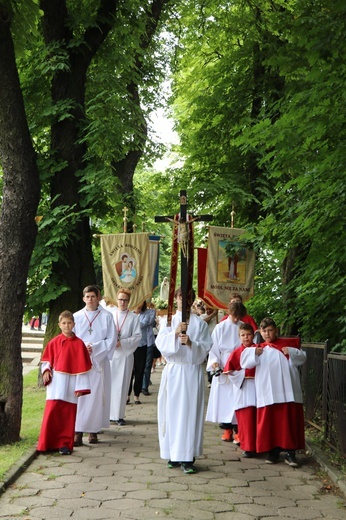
{"x": 255, "y": 394}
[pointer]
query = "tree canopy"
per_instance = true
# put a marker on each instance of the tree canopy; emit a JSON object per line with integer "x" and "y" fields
{"x": 258, "y": 97}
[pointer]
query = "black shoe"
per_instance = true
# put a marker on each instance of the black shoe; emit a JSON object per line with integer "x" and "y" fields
{"x": 145, "y": 392}
{"x": 248, "y": 454}
{"x": 172, "y": 464}
{"x": 226, "y": 426}
{"x": 188, "y": 468}
{"x": 64, "y": 451}
{"x": 274, "y": 456}
{"x": 290, "y": 459}
{"x": 120, "y": 422}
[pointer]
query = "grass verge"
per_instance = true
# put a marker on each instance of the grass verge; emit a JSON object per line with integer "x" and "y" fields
{"x": 34, "y": 399}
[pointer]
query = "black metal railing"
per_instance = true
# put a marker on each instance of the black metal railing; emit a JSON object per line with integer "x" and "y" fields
{"x": 324, "y": 390}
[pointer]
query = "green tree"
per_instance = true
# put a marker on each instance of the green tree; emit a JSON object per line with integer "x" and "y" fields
{"x": 258, "y": 94}
{"x": 20, "y": 197}
{"x": 59, "y": 49}
{"x": 92, "y": 129}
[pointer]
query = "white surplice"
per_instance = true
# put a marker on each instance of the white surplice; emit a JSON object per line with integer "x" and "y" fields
{"x": 221, "y": 401}
{"x": 98, "y": 328}
{"x": 181, "y": 393}
{"x": 122, "y": 363}
{"x": 277, "y": 378}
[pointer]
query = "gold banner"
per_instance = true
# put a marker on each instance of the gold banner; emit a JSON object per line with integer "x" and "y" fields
{"x": 125, "y": 263}
{"x": 230, "y": 266}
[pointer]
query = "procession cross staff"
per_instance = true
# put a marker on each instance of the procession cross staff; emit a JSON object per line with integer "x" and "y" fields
{"x": 182, "y": 235}
{"x": 125, "y": 219}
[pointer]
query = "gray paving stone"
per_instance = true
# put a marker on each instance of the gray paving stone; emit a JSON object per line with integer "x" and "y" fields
{"x": 257, "y": 510}
{"x": 48, "y": 513}
{"x": 235, "y": 516}
{"x": 301, "y": 513}
{"x": 123, "y": 477}
{"x": 99, "y": 513}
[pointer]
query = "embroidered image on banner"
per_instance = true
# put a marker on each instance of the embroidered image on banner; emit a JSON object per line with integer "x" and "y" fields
{"x": 125, "y": 263}
{"x": 230, "y": 266}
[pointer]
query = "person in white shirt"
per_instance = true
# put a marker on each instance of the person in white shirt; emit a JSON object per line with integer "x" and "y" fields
{"x": 129, "y": 335}
{"x": 181, "y": 393}
{"x": 95, "y": 326}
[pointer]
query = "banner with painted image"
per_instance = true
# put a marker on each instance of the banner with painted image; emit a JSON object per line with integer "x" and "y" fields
{"x": 230, "y": 266}
{"x": 126, "y": 263}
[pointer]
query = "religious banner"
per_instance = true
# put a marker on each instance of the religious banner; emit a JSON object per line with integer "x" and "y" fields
{"x": 126, "y": 263}
{"x": 230, "y": 267}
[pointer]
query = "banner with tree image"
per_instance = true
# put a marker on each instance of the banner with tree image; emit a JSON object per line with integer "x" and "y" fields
{"x": 230, "y": 266}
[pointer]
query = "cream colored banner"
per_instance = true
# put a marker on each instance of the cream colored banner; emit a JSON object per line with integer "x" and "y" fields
{"x": 230, "y": 266}
{"x": 125, "y": 263}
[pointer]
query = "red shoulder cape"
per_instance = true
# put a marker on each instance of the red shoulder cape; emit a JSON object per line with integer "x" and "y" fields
{"x": 67, "y": 355}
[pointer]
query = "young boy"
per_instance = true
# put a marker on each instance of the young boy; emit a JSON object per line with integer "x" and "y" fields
{"x": 65, "y": 365}
{"x": 220, "y": 404}
{"x": 280, "y": 417}
{"x": 244, "y": 391}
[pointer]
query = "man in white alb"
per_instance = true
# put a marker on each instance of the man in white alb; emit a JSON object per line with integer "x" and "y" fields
{"x": 129, "y": 336}
{"x": 95, "y": 326}
{"x": 181, "y": 394}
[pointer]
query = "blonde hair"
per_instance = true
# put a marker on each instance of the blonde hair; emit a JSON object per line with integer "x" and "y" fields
{"x": 66, "y": 314}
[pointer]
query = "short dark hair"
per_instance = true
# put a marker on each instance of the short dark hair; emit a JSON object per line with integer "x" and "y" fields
{"x": 235, "y": 295}
{"x": 237, "y": 309}
{"x": 246, "y": 326}
{"x": 267, "y": 322}
{"x": 92, "y": 288}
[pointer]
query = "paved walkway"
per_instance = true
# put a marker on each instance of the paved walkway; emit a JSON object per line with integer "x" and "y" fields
{"x": 124, "y": 477}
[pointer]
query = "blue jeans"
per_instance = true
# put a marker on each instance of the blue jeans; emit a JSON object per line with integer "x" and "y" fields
{"x": 148, "y": 365}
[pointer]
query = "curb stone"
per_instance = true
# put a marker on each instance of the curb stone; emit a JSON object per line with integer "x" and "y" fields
{"x": 17, "y": 469}
{"x": 334, "y": 474}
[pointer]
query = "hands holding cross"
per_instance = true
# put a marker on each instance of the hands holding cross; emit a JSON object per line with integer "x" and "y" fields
{"x": 181, "y": 332}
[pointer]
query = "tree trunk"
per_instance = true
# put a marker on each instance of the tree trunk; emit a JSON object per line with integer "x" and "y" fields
{"x": 20, "y": 197}
{"x": 75, "y": 267}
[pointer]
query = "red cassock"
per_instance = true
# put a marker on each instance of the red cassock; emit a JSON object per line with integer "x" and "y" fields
{"x": 68, "y": 359}
{"x": 246, "y": 416}
{"x": 281, "y": 424}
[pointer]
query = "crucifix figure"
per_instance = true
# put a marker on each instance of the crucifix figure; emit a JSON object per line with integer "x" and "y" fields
{"x": 183, "y": 236}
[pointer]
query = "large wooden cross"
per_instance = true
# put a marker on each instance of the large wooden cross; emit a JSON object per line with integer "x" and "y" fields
{"x": 185, "y": 241}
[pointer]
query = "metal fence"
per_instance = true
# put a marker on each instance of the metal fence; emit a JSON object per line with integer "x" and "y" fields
{"x": 324, "y": 389}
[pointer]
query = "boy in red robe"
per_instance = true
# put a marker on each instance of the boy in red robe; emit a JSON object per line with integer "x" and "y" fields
{"x": 65, "y": 365}
{"x": 245, "y": 392}
{"x": 280, "y": 416}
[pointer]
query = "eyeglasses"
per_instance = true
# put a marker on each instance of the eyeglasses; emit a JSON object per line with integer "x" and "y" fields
{"x": 121, "y": 300}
